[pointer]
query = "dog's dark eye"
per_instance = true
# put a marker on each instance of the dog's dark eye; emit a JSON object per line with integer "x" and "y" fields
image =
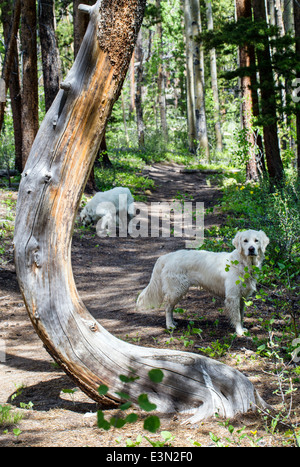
{"x": 256, "y": 240}
{"x": 246, "y": 241}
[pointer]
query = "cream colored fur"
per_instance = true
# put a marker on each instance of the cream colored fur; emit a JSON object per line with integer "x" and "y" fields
{"x": 219, "y": 273}
{"x": 111, "y": 203}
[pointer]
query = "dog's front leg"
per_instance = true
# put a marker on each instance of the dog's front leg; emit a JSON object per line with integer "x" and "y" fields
{"x": 170, "y": 323}
{"x": 233, "y": 306}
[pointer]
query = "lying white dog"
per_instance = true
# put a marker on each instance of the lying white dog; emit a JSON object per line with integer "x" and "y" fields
{"x": 218, "y": 273}
{"x": 112, "y": 205}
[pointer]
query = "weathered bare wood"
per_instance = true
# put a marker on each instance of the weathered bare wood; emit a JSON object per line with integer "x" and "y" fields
{"x": 49, "y": 195}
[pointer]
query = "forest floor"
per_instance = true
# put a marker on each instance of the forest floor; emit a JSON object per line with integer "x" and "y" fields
{"x": 109, "y": 274}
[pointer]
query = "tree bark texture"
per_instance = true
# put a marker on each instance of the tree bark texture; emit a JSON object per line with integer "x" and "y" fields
{"x": 11, "y": 31}
{"x": 214, "y": 81}
{"x": 138, "y": 93}
{"x": 268, "y": 101}
{"x": 195, "y": 78}
{"x": 243, "y": 10}
{"x": 49, "y": 195}
{"x": 50, "y": 54}
{"x": 161, "y": 76}
{"x": 189, "y": 80}
{"x": 10, "y": 18}
{"x": 30, "y": 97}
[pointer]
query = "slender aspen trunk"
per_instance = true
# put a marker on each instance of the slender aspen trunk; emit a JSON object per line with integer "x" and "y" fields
{"x": 199, "y": 85}
{"x": 214, "y": 81}
{"x": 190, "y": 89}
{"x": 138, "y": 94}
{"x": 268, "y": 101}
{"x": 161, "y": 78}
{"x": 197, "y": 129}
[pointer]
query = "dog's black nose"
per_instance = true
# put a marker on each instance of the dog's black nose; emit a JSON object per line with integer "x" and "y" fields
{"x": 251, "y": 250}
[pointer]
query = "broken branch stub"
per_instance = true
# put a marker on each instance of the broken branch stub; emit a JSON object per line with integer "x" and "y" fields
{"x": 52, "y": 183}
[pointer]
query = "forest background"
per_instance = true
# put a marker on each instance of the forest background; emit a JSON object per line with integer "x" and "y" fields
{"x": 219, "y": 78}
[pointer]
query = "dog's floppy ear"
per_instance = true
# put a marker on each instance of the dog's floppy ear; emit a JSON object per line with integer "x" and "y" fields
{"x": 264, "y": 240}
{"x": 237, "y": 242}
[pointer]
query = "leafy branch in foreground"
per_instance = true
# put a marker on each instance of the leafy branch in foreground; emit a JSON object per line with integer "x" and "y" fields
{"x": 151, "y": 423}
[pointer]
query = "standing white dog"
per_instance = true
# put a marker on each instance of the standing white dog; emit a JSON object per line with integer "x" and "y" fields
{"x": 218, "y": 273}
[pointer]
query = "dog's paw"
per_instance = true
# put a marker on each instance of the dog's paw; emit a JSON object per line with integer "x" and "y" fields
{"x": 171, "y": 326}
{"x": 241, "y": 331}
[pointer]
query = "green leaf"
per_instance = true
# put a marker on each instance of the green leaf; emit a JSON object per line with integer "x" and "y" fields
{"x": 123, "y": 395}
{"x": 126, "y": 405}
{"x": 102, "y": 390}
{"x": 156, "y": 375}
{"x": 69, "y": 391}
{"x": 144, "y": 403}
{"x": 214, "y": 437}
{"x": 167, "y": 436}
{"x": 230, "y": 428}
{"x": 152, "y": 423}
{"x": 117, "y": 422}
{"x": 17, "y": 432}
{"x": 131, "y": 418}
{"x": 101, "y": 422}
{"x": 128, "y": 379}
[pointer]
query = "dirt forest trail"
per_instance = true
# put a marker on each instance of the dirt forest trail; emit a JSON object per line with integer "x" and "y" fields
{"x": 109, "y": 274}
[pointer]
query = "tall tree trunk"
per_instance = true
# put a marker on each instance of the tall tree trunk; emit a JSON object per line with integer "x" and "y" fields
{"x": 214, "y": 81}
{"x": 196, "y": 67}
{"x": 243, "y": 10}
{"x": 124, "y": 118}
{"x": 288, "y": 16}
{"x": 11, "y": 31}
{"x": 199, "y": 84}
{"x": 297, "y": 35}
{"x": 30, "y": 97}
{"x": 161, "y": 78}
{"x": 132, "y": 85}
{"x": 279, "y": 17}
{"x": 190, "y": 90}
{"x": 138, "y": 92}
{"x": 50, "y": 54}
{"x": 49, "y": 195}
{"x": 10, "y": 19}
{"x": 268, "y": 101}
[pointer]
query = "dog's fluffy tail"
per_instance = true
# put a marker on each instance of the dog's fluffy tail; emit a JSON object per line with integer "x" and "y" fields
{"x": 152, "y": 296}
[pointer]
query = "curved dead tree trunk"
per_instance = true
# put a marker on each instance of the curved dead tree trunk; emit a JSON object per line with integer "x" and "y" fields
{"x": 50, "y": 191}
